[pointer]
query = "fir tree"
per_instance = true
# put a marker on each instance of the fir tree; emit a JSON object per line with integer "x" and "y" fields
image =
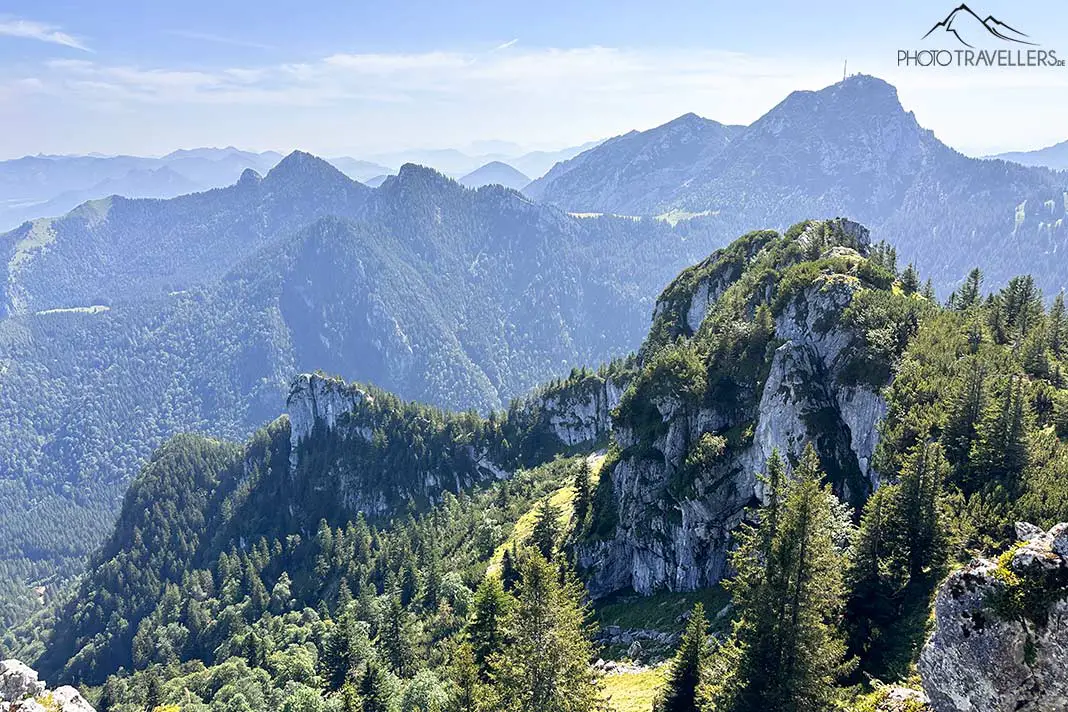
{"x": 398, "y": 640}
{"x": 999, "y": 452}
{"x": 583, "y": 494}
{"x": 910, "y": 280}
{"x": 679, "y": 693}
{"x": 546, "y": 531}
{"x": 376, "y": 691}
{"x": 970, "y": 292}
{"x": 545, "y": 664}
{"x": 786, "y": 652}
{"x": 1058, "y": 327}
{"x": 486, "y": 629}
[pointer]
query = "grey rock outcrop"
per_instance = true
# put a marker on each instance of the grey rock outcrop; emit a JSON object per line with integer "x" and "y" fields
{"x": 18, "y": 682}
{"x": 680, "y": 543}
{"x": 582, "y": 415}
{"x": 1001, "y": 637}
{"x": 22, "y": 691}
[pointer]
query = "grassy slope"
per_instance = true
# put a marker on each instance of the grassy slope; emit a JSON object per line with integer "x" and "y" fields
{"x": 633, "y": 692}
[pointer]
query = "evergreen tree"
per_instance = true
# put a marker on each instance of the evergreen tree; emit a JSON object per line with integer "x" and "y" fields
{"x": 545, "y": 665}
{"x": 786, "y": 652}
{"x": 486, "y": 629}
{"x": 922, "y": 534}
{"x": 398, "y": 639}
{"x": 583, "y": 494}
{"x": 910, "y": 280}
{"x": 467, "y": 686}
{"x": 970, "y": 293}
{"x": 376, "y": 690}
{"x": 546, "y": 531}
{"x": 966, "y": 405}
{"x": 1058, "y": 327}
{"x": 999, "y": 452}
{"x": 679, "y": 693}
{"x": 510, "y": 568}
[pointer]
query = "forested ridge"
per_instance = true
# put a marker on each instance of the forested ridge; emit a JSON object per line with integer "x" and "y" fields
{"x": 436, "y": 292}
{"x": 237, "y": 578}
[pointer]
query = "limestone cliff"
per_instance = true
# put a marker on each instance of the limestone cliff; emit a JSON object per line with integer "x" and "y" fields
{"x": 686, "y": 472}
{"x": 1001, "y": 637}
{"x": 344, "y": 437}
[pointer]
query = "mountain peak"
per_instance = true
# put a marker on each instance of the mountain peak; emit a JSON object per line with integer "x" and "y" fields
{"x": 415, "y": 175}
{"x": 249, "y": 177}
{"x": 495, "y": 173}
{"x": 300, "y": 165}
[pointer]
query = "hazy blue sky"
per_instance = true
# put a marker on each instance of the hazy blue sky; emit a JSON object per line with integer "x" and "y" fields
{"x": 359, "y": 77}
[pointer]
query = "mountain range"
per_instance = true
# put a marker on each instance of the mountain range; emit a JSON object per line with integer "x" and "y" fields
{"x": 850, "y": 149}
{"x": 43, "y": 186}
{"x": 128, "y": 320}
{"x": 802, "y": 419}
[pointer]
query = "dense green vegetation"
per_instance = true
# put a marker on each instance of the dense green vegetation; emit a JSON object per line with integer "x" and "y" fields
{"x": 247, "y": 578}
{"x": 463, "y": 299}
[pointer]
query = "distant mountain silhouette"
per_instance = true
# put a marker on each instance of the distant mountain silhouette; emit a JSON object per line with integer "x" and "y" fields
{"x": 960, "y": 19}
{"x": 495, "y": 173}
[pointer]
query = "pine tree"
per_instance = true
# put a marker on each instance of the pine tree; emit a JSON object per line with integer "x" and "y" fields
{"x": 545, "y": 664}
{"x": 510, "y": 568}
{"x": 922, "y": 536}
{"x": 679, "y": 693}
{"x": 966, "y": 405}
{"x": 376, "y": 692}
{"x": 970, "y": 292}
{"x": 583, "y": 494}
{"x": 486, "y": 629}
{"x": 999, "y": 452}
{"x": 910, "y": 280}
{"x": 398, "y": 639}
{"x": 1058, "y": 327}
{"x": 786, "y": 652}
{"x": 546, "y": 531}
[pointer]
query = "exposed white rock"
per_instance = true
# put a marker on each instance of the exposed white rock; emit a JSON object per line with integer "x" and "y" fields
{"x": 18, "y": 681}
{"x": 318, "y": 399}
{"x": 583, "y": 416}
{"x": 983, "y": 657}
{"x": 22, "y": 691}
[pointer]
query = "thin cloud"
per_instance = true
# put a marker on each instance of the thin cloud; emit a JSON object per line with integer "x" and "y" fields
{"x": 506, "y": 45}
{"x": 219, "y": 39}
{"x": 40, "y": 31}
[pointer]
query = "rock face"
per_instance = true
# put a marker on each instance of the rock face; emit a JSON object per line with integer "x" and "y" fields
{"x": 666, "y": 541}
{"x": 582, "y": 415}
{"x": 21, "y": 691}
{"x": 1001, "y": 636}
{"x": 315, "y": 399}
{"x": 345, "y": 418}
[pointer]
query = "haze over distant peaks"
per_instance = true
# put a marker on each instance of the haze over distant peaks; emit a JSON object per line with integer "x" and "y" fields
{"x": 495, "y": 172}
{"x": 1055, "y": 157}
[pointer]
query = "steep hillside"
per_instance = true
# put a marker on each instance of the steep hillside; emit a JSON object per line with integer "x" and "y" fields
{"x": 640, "y": 169}
{"x": 850, "y": 149}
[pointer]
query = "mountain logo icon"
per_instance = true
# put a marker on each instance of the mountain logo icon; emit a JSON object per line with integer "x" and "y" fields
{"x": 964, "y": 24}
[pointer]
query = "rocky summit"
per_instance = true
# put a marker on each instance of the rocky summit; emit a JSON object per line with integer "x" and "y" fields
{"x": 1001, "y": 641}
{"x": 21, "y": 691}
